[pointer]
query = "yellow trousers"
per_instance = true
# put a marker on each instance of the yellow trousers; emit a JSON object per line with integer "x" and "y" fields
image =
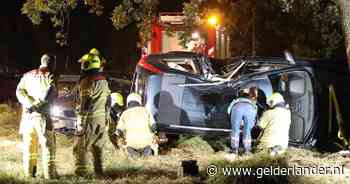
{"x": 31, "y": 141}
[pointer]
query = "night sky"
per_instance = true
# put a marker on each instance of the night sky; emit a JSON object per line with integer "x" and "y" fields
{"x": 22, "y": 43}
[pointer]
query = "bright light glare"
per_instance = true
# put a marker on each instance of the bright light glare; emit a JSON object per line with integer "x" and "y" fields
{"x": 195, "y": 35}
{"x": 55, "y": 111}
{"x": 213, "y": 20}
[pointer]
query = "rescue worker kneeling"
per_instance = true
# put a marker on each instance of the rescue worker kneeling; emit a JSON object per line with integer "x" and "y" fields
{"x": 275, "y": 124}
{"x": 138, "y": 127}
{"x": 117, "y": 107}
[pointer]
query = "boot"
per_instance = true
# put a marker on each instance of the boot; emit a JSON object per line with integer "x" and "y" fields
{"x": 97, "y": 161}
{"x": 34, "y": 172}
{"x": 147, "y": 151}
{"x": 133, "y": 153}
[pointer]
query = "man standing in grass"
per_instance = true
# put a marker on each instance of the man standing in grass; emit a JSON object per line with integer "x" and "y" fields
{"x": 35, "y": 92}
{"x": 92, "y": 115}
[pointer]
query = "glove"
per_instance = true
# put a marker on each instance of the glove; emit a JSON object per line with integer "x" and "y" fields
{"x": 32, "y": 109}
{"x": 39, "y": 107}
{"x": 79, "y": 131}
{"x": 118, "y": 133}
{"x": 80, "y": 127}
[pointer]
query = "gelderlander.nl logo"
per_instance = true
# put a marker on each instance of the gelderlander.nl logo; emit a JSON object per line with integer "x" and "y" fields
{"x": 213, "y": 170}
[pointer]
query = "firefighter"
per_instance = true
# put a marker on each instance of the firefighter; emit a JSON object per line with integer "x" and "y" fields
{"x": 242, "y": 109}
{"x": 117, "y": 104}
{"x": 275, "y": 124}
{"x": 93, "y": 113}
{"x": 36, "y": 91}
{"x": 138, "y": 127}
{"x": 117, "y": 107}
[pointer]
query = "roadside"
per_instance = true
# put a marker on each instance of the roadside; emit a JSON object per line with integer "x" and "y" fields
{"x": 163, "y": 169}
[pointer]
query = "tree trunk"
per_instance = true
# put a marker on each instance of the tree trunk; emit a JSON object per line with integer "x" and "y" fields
{"x": 345, "y": 8}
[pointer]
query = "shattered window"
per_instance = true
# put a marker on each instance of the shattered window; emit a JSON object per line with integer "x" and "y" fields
{"x": 185, "y": 65}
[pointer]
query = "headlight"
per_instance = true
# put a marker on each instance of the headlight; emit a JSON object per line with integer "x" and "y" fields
{"x": 55, "y": 111}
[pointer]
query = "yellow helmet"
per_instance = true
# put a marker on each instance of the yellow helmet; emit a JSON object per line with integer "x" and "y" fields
{"x": 274, "y": 99}
{"x": 97, "y": 53}
{"x": 134, "y": 97}
{"x": 90, "y": 61}
{"x": 94, "y": 51}
{"x": 117, "y": 98}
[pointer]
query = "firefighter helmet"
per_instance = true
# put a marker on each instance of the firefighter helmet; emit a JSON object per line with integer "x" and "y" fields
{"x": 134, "y": 97}
{"x": 275, "y": 99}
{"x": 98, "y": 53}
{"x": 90, "y": 61}
{"x": 94, "y": 51}
{"x": 118, "y": 99}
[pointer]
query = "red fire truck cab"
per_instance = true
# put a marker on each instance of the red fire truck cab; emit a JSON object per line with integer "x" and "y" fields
{"x": 216, "y": 43}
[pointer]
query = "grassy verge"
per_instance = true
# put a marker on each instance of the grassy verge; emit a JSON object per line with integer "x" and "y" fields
{"x": 9, "y": 120}
{"x": 163, "y": 168}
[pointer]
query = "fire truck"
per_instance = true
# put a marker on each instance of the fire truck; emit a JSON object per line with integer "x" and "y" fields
{"x": 214, "y": 44}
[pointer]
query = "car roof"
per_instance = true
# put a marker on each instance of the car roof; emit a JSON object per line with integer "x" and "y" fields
{"x": 267, "y": 60}
{"x": 174, "y": 55}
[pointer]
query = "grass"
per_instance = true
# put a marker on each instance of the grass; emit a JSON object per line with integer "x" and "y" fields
{"x": 250, "y": 162}
{"x": 159, "y": 169}
{"x": 9, "y": 120}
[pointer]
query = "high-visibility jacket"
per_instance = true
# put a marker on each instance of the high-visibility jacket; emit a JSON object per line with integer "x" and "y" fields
{"x": 275, "y": 124}
{"x": 35, "y": 87}
{"x": 93, "y": 100}
{"x": 92, "y": 118}
{"x": 136, "y": 123}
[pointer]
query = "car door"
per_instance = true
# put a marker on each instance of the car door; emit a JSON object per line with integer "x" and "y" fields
{"x": 297, "y": 88}
{"x": 185, "y": 102}
{"x": 203, "y": 103}
{"x": 169, "y": 97}
{"x": 168, "y": 100}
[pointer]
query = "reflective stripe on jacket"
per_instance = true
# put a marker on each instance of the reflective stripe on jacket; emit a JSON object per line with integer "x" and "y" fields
{"x": 35, "y": 87}
{"x": 275, "y": 124}
{"x": 93, "y": 98}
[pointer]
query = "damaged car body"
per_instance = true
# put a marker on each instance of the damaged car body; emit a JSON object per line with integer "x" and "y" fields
{"x": 188, "y": 94}
{"x": 63, "y": 112}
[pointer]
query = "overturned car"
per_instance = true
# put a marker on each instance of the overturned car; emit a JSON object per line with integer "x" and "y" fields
{"x": 190, "y": 93}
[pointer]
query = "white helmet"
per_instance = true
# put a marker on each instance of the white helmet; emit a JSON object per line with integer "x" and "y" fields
{"x": 274, "y": 99}
{"x": 134, "y": 97}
